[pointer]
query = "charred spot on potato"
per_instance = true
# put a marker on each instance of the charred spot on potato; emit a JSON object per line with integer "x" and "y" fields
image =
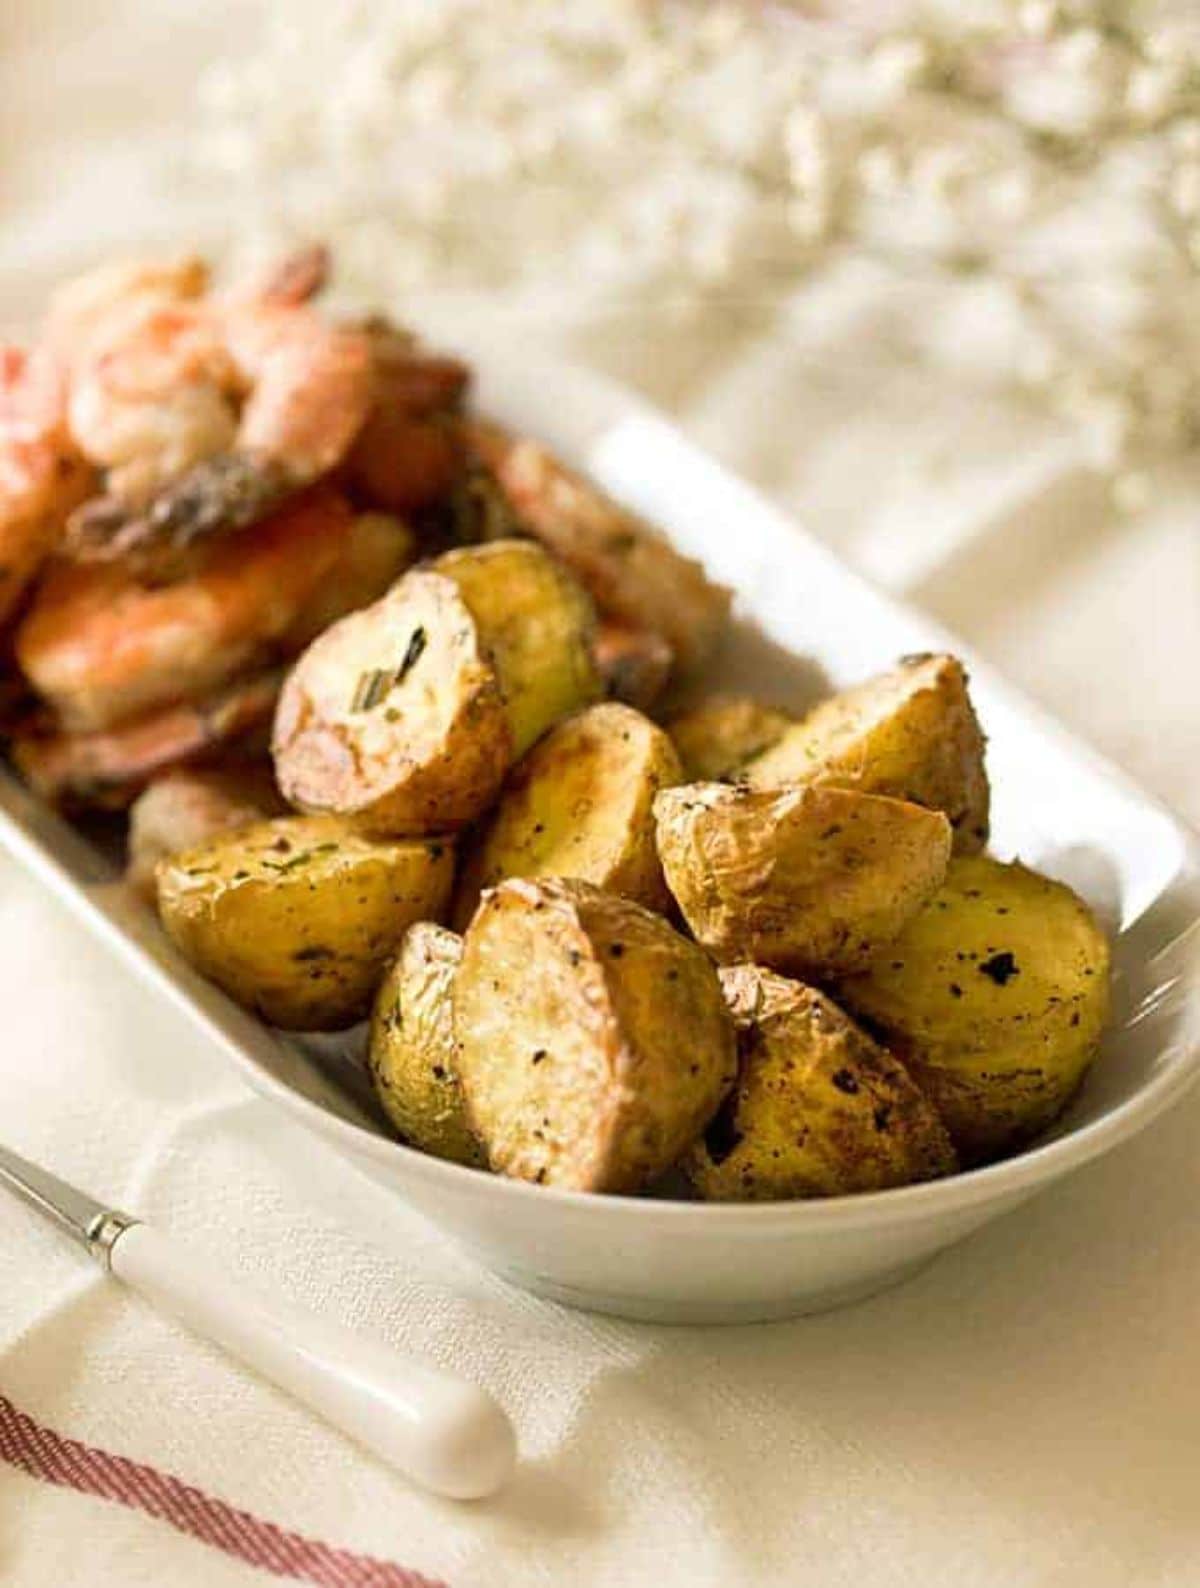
{"x": 1001, "y": 968}
{"x": 722, "y": 1137}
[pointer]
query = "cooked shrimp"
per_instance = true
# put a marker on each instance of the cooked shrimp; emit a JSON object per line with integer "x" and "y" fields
{"x": 152, "y": 402}
{"x": 208, "y": 413}
{"x": 635, "y": 664}
{"x": 102, "y": 647}
{"x": 408, "y": 455}
{"x": 107, "y": 770}
{"x": 183, "y": 808}
{"x": 42, "y": 475}
{"x": 98, "y": 306}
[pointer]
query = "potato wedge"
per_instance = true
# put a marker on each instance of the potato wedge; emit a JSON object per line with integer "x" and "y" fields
{"x": 594, "y": 1043}
{"x": 994, "y": 997}
{"x": 537, "y": 625}
{"x": 911, "y": 734}
{"x": 580, "y": 805}
{"x": 810, "y": 881}
{"x": 189, "y": 806}
{"x": 406, "y": 716}
{"x": 716, "y": 738}
{"x": 411, "y": 1054}
{"x": 298, "y": 917}
{"x": 818, "y": 1109}
{"x": 630, "y": 571}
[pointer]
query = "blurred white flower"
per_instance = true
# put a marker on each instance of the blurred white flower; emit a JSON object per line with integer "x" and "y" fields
{"x": 1039, "y": 158}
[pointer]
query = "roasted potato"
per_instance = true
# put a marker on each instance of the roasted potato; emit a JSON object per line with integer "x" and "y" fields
{"x": 806, "y": 880}
{"x": 631, "y": 572}
{"x": 818, "y": 1109}
{"x": 580, "y": 805}
{"x": 594, "y": 1043}
{"x": 406, "y": 716}
{"x": 186, "y": 807}
{"x": 716, "y": 738}
{"x": 634, "y": 664}
{"x": 537, "y": 625}
{"x": 298, "y": 917}
{"x": 411, "y": 1054}
{"x": 911, "y": 734}
{"x": 994, "y": 997}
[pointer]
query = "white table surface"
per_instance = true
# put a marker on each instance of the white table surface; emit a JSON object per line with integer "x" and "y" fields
{"x": 1024, "y": 1414}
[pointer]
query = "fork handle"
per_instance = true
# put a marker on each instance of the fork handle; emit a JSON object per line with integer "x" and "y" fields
{"x": 438, "y": 1429}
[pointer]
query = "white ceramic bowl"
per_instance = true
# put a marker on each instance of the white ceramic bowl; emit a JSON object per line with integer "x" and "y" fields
{"x": 807, "y": 624}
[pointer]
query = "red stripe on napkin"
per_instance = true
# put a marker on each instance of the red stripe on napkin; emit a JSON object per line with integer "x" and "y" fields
{"x": 49, "y": 1456}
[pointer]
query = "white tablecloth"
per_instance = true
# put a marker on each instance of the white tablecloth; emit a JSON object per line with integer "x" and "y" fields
{"x": 1023, "y": 1414}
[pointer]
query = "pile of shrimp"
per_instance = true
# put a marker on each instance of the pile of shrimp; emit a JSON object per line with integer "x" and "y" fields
{"x": 193, "y": 483}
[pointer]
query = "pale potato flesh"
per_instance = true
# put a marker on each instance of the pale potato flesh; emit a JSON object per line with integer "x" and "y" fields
{"x": 806, "y": 880}
{"x": 395, "y": 716}
{"x": 716, "y": 738}
{"x": 594, "y": 1043}
{"x": 297, "y": 918}
{"x": 411, "y": 1053}
{"x": 536, "y": 624}
{"x": 911, "y": 734}
{"x": 580, "y": 804}
{"x": 994, "y": 997}
{"x": 819, "y": 1109}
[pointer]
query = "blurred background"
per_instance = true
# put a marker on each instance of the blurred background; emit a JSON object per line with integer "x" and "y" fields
{"x": 926, "y": 273}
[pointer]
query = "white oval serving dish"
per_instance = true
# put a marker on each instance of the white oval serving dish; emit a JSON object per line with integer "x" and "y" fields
{"x": 807, "y": 624}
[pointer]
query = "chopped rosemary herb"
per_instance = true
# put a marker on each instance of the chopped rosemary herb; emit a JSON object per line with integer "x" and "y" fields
{"x": 375, "y": 685}
{"x": 370, "y": 689}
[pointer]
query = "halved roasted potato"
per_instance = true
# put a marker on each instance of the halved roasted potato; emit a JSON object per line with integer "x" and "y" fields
{"x": 594, "y": 1043}
{"x": 627, "y": 567}
{"x": 411, "y": 1054}
{"x": 818, "y": 1109}
{"x": 298, "y": 917}
{"x": 580, "y": 805}
{"x": 406, "y": 715}
{"x": 191, "y": 805}
{"x": 911, "y": 734}
{"x": 716, "y": 738}
{"x": 994, "y": 996}
{"x": 807, "y": 880}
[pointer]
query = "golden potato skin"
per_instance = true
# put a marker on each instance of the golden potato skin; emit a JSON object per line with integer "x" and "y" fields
{"x": 630, "y": 571}
{"x": 594, "y": 1043}
{"x": 911, "y": 733}
{"x": 809, "y": 881}
{"x": 716, "y": 738}
{"x": 190, "y": 805}
{"x": 411, "y": 1053}
{"x": 994, "y": 997}
{"x": 537, "y": 626}
{"x": 298, "y": 917}
{"x": 818, "y": 1110}
{"x": 580, "y": 804}
{"x": 394, "y": 716}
